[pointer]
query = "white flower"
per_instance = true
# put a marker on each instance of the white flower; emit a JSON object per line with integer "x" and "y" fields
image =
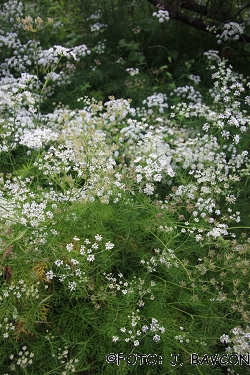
{"x": 90, "y": 257}
{"x": 224, "y": 339}
{"x": 144, "y": 328}
{"x": 98, "y": 237}
{"x": 58, "y": 262}
{"x": 74, "y": 261}
{"x": 109, "y": 245}
{"x": 69, "y": 247}
{"x": 72, "y": 285}
{"x": 82, "y": 250}
{"x": 156, "y": 338}
{"x": 49, "y": 275}
{"x": 132, "y": 71}
{"x": 162, "y": 15}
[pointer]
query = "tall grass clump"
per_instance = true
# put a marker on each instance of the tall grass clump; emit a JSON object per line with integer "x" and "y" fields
{"x": 124, "y": 242}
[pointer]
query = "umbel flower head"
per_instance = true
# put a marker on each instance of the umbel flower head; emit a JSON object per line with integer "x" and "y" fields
{"x": 33, "y": 25}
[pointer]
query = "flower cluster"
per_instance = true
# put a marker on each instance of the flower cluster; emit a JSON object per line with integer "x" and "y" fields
{"x": 133, "y": 334}
{"x": 7, "y": 327}
{"x": 117, "y": 109}
{"x": 10, "y": 11}
{"x": 134, "y": 287}
{"x": 16, "y": 298}
{"x": 218, "y": 230}
{"x": 226, "y": 93}
{"x": 230, "y": 31}
{"x": 20, "y": 290}
{"x": 35, "y": 139}
{"x": 96, "y": 27}
{"x": 132, "y": 71}
{"x": 188, "y": 93}
{"x": 154, "y": 327}
{"x": 157, "y": 100}
{"x": 20, "y": 61}
{"x": 162, "y": 15}
{"x": 238, "y": 342}
{"x": 194, "y": 78}
{"x": 182, "y": 337}
{"x": 72, "y": 271}
{"x": 52, "y": 56}
{"x": 212, "y": 56}
{"x": 95, "y": 16}
{"x": 136, "y": 30}
{"x": 165, "y": 257}
{"x": 34, "y": 213}
{"x": 23, "y": 359}
{"x": 7, "y": 208}
{"x": 155, "y": 166}
{"x": 91, "y": 161}
{"x": 100, "y": 48}
{"x": 134, "y": 131}
{"x": 68, "y": 364}
{"x": 33, "y": 25}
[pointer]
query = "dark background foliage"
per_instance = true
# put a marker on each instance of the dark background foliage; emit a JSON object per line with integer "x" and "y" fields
{"x": 165, "y": 53}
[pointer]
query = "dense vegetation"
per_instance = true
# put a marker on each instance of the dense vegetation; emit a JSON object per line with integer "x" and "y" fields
{"x": 124, "y": 187}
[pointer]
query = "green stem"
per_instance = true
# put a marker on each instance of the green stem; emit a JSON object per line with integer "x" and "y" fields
{"x": 238, "y": 228}
{"x": 183, "y": 266}
{"x": 37, "y": 71}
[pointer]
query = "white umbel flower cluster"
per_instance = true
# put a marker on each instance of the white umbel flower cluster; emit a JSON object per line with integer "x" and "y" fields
{"x": 230, "y": 31}
{"x": 162, "y": 15}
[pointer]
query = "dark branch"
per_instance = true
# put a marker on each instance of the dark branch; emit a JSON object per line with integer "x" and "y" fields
{"x": 202, "y": 14}
{"x": 170, "y": 6}
{"x": 194, "y": 22}
{"x": 194, "y": 7}
{"x": 243, "y": 8}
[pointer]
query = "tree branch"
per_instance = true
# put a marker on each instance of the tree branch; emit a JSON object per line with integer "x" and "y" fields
{"x": 174, "y": 8}
{"x": 194, "y": 7}
{"x": 170, "y": 6}
{"x": 239, "y": 11}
